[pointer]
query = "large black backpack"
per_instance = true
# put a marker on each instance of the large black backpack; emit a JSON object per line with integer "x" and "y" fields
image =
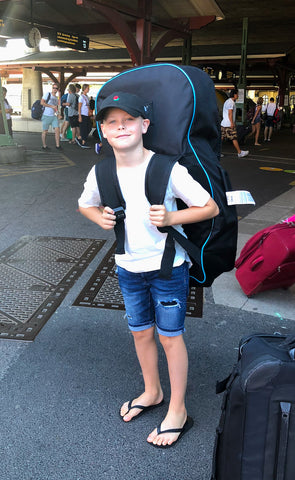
{"x": 185, "y": 127}
{"x": 37, "y": 108}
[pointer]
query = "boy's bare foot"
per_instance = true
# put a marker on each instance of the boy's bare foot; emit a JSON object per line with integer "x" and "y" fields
{"x": 134, "y": 408}
{"x": 170, "y": 430}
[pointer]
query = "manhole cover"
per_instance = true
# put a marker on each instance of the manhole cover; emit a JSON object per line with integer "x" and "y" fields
{"x": 103, "y": 291}
{"x": 36, "y": 273}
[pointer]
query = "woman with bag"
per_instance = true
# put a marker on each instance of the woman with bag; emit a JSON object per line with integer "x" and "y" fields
{"x": 84, "y": 116}
{"x": 256, "y": 121}
{"x": 8, "y": 111}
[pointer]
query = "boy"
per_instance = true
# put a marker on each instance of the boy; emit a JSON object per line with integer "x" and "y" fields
{"x": 149, "y": 300}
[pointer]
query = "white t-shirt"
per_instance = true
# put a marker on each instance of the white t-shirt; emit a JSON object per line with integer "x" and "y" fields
{"x": 85, "y": 104}
{"x": 229, "y": 104}
{"x": 7, "y": 106}
{"x": 144, "y": 244}
{"x": 270, "y": 109}
{"x": 53, "y": 100}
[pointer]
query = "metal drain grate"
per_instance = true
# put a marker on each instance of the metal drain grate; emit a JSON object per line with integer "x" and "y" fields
{"x": 36, "y": 273}
{"x": 103, "y": 291}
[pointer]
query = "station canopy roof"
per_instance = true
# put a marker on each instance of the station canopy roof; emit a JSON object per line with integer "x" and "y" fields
{"x": 271, "y": 26}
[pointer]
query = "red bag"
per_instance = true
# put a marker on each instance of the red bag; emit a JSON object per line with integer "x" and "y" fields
{"x": 267, "y": 261}
{"x": 276, "y": 116}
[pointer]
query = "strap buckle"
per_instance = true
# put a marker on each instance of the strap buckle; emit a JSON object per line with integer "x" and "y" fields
{"x": 120, "y": 213}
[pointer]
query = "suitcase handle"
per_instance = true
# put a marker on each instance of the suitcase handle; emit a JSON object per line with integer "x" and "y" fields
{"x": 256, "y": 262}
{"x": 288, "y": 342}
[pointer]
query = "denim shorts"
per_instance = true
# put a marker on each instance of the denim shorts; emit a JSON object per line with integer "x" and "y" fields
{"x": 49, "y": 120}
{"x": 150, "y": 300}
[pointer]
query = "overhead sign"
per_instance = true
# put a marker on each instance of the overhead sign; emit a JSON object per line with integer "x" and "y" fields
{"x": 71, "y": 40}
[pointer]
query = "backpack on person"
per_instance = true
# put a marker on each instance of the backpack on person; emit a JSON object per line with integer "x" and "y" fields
{"x": 276, "y": 116}
{"x": 38, "y": 109}
{"x": 76, "y": 102}
{"x": 185, "y": 127}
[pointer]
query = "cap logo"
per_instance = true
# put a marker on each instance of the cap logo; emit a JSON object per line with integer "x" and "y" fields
{"x": 116, "y": 98}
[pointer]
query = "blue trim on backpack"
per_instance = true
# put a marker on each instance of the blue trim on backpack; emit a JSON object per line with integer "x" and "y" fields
{"x": 189, "y": 142}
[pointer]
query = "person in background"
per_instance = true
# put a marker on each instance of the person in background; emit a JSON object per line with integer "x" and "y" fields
{"x": 84, "y": 116}
{"x": 92, "y": 103}
{"x": 66, "y": 122}
{"x": 256, "y": 121}
{"x": 8, "y": 111}
{"x": 50, "y": 116}
{"x": 269, "y": 124}
{"x": 228, "y": 126}
{"x": 78, "y": 88}
{"x": 72, "y": 105}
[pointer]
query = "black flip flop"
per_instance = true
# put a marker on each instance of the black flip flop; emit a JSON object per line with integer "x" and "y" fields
{"x": 141, "y": 407}
{"x": 188, "y": 424}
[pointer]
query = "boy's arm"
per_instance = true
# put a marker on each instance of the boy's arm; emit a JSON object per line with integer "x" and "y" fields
{"x": 104, "y": 217}
{"x": 160, "y": 217}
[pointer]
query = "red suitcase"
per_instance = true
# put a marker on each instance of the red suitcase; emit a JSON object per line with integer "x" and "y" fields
{"x": 267, "y": 261}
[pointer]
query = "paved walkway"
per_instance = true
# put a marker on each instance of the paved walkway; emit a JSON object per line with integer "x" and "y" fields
{"x": 61, "y": 393}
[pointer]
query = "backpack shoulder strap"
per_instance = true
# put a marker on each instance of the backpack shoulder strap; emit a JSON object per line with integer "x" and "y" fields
{"x": 156, "y": 181}
{"x": 111, "y": 196}
{"x": 157, "y": 177}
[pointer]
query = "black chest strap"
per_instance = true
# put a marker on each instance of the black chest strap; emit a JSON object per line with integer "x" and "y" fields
{"x": 111, "y": 196}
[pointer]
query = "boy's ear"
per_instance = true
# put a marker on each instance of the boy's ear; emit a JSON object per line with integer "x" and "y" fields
{"x": 102, "y": 130}
{"x": 145, "y": 125}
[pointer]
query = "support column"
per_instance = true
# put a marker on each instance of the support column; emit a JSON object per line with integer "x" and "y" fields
{"x": 32, "y": 90}
{"x": 187, "y": 51}
{"x": 242, "y": 84}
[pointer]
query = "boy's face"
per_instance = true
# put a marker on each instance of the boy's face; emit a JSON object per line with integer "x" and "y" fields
{"x": 123, "y": 131}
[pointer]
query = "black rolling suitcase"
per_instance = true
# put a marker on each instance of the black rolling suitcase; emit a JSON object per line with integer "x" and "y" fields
{"x": 255, "y": 438}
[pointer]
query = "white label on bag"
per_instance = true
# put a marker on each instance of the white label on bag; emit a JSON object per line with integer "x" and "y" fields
{"x": 240, "y": 197}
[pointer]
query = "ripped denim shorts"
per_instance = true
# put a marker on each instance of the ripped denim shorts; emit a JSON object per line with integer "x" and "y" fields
{"x": 150, "y": 300}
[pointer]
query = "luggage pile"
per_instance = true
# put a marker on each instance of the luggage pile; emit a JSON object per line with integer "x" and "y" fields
{"x": 255, "y": 438}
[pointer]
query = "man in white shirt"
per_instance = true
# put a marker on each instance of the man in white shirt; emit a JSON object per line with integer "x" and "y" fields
{"x": 228, "y": 127}
{"x": 50, "y": 103}
{"x": 270, "y": 110}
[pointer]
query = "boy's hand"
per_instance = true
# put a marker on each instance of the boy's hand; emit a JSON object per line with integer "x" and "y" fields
{"x": 159, "y": 216}
{"x": 108, "y": 218}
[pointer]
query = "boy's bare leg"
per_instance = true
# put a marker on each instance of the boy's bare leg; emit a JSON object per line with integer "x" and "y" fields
{"x": 177, "y": 359}
{"x": 147, "y": 354}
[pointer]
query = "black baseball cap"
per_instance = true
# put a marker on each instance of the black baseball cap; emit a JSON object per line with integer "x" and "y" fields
{"x": 128, "y": 102}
